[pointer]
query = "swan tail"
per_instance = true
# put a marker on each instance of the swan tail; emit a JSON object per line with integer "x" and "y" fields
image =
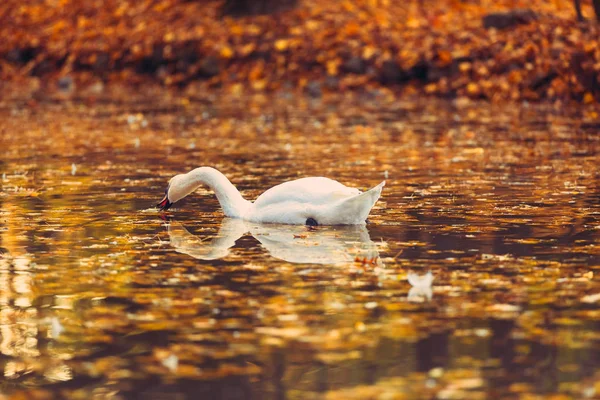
{"x": 355, "y": 210}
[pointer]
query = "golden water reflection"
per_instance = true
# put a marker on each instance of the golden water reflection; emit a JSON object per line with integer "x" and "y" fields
{"x": 476, "y": 278}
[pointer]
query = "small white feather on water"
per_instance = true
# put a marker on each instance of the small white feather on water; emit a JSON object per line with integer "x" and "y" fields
{"x": 73, "y": 169}
{"x": 421, "y": 287}
{"x": 416, "y": 280}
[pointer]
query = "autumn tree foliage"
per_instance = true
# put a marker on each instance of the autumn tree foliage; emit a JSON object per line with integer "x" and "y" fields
{"x": 496, "y": 50}
{"x": 595, "y": 3}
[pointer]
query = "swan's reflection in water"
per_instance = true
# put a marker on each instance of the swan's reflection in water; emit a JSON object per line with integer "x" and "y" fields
{"x": 291, "y": 243}
{"x": 297, "y": 244}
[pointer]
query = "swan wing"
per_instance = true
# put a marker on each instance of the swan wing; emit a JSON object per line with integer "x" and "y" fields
{"x": 311, "y": 191}
{"x": 333, "y": 207}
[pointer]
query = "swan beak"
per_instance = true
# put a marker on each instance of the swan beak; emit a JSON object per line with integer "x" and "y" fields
{"x": 165, "y": 204}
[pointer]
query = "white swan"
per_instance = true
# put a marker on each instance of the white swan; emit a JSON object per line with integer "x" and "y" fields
{"x": 310, "y": 201}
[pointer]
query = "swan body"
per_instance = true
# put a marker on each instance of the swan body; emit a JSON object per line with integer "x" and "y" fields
{"x": 312, "y": 201}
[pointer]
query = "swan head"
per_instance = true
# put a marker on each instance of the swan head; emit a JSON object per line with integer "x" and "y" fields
{"x": 179, "y": 187}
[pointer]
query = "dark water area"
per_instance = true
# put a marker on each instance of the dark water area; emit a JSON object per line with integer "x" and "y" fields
{"x": 476, "y": 277}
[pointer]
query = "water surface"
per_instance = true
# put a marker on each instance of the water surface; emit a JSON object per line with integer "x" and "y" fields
{"x": 102, "y": 296}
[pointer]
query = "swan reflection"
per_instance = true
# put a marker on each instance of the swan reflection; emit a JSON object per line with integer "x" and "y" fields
{"x": 291, "y": 243}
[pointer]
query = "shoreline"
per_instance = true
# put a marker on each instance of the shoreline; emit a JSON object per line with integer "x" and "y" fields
{"x": 485, "y": 51}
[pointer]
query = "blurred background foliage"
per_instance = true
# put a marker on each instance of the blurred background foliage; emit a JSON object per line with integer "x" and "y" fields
{"x": 496, "y": 50}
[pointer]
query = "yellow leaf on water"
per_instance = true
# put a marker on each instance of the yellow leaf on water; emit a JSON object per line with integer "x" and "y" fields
{"x": 591, "y": 298}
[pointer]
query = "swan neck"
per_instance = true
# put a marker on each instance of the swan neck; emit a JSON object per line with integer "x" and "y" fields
{"x": 231, "y": 200}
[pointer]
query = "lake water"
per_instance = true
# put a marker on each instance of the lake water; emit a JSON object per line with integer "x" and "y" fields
{"x": 493, "y": 213}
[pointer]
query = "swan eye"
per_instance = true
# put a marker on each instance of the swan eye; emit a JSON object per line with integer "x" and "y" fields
{"x": 311, "y": 222}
